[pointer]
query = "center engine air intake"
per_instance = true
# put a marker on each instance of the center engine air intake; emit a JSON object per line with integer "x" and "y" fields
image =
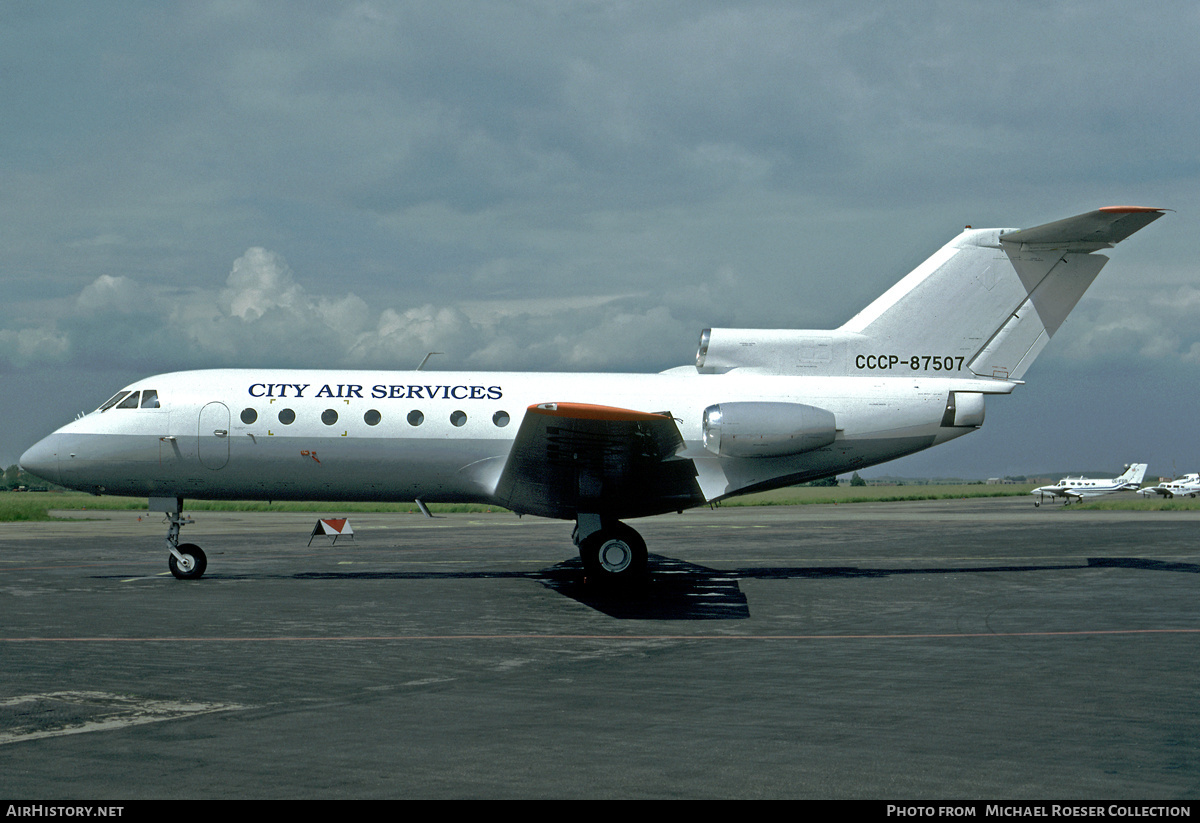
{"x": 766, "y": 429}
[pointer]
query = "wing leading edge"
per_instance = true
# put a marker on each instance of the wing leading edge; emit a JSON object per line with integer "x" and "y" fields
{"x": 572, "y": 458}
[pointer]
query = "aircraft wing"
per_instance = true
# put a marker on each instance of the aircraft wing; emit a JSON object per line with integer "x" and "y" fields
{"x": 569, "y": 458}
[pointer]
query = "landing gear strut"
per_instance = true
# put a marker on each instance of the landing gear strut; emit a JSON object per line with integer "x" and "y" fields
{"x": 187, "y": 561}
{"x": 612, "y": 552}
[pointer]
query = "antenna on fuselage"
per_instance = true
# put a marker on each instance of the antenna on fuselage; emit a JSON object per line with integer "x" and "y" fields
{"x": 426, "y": 360}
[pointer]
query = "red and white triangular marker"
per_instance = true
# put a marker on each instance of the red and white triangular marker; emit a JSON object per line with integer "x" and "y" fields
{"x": 337, "y": 527}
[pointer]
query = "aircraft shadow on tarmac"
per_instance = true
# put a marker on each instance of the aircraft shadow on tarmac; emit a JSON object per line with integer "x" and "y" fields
{"x": 676, "y": 590}
{"x": 673, "y": 589}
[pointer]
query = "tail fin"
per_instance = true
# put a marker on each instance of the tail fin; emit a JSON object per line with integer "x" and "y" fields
{"x": 1134, "y": 473}
{"x": 986, "y": 304}
{"x": 995, "y": 297}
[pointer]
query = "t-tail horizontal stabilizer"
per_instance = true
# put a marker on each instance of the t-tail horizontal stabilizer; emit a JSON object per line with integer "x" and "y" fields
{"x": 985, "y": 305}
{"x": 1055, "y": 265}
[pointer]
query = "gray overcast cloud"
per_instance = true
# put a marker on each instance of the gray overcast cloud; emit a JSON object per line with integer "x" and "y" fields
{"x": 585, "y": 186}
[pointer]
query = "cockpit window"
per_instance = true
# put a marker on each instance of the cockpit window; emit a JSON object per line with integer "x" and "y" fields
{"x": 147, "y": 399}
{"x": 132, "y": 400}
{"x": 112, "y": 401}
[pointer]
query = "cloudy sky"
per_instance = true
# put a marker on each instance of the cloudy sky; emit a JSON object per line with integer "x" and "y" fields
{"x": 585, "y": 186}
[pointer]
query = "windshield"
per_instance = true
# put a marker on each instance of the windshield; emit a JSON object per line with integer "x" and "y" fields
{"x": 125, "y": 399}
{"x": 112, "y": 401}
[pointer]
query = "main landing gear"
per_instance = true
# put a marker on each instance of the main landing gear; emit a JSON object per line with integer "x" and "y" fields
{"x": 186, "y": 561}
{"x": 612, "y": 552}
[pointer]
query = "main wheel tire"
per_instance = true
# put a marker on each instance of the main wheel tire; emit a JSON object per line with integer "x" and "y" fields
{"x": 614, "y": 555}
{"x": 194, "y": 565}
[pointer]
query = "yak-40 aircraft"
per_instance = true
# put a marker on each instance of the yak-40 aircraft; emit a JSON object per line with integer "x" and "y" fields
{"x": 760, "y": 409}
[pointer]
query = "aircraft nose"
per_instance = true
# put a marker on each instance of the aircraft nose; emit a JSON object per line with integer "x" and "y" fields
{"x": 42, "y": 459}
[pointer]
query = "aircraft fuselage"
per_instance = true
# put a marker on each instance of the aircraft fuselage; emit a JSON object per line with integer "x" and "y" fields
{"x": 445, "y": 436}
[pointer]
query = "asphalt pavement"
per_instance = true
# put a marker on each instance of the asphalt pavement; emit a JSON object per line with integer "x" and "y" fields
{"x": 963, "y": 649}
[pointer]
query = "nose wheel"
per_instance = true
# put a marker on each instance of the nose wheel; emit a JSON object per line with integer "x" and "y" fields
{"x": 186, "y": 560}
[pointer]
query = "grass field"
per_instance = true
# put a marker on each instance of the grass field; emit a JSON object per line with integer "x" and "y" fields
{"x": 803, "y": 495}
{"x": 28, "y": 506}
{"x": 1136, "y": 503}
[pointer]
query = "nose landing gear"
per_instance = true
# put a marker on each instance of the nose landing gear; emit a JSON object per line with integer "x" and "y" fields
{"x": 186, "y": 561}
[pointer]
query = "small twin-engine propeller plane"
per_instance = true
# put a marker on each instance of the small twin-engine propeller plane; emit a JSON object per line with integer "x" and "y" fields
{"x": 1077, "y": 488}
{"x": 760, "y": 409}
{"x": 1186, "y": 486}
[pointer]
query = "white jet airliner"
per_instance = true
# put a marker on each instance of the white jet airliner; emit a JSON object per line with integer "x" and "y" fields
{"x": 1188, "y": 485}
{"x": 760, "y": 409}
{"x": 1077, "y": 488}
